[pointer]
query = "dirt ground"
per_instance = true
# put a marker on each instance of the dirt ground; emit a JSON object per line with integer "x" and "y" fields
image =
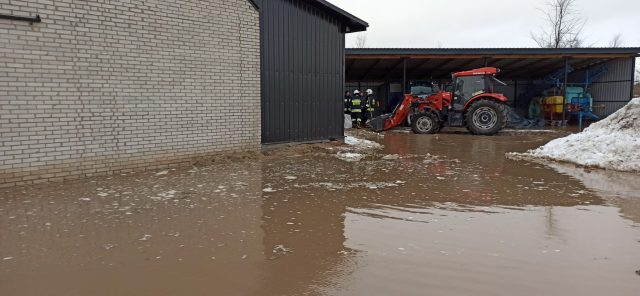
{"x": 443, "y": 214}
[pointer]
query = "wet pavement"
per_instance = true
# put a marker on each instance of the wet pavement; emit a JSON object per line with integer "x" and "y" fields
{"x": 443, "y": 215}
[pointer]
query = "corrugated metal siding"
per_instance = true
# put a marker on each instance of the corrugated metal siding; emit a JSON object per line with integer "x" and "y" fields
{"x": 613, "y": 89}
{"x": 302, "y": 73}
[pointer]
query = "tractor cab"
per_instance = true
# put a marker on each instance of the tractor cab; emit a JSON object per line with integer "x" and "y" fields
{"x": 470, "y": 84}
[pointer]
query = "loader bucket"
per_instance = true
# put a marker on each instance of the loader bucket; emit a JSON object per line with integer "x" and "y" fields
{"x": 378, "y": 123}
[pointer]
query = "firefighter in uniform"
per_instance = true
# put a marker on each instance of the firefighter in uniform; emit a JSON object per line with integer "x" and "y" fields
{"x": 347, "y": 103}
{"x": 370, "y": 104}
{"x": 356, "y": 109}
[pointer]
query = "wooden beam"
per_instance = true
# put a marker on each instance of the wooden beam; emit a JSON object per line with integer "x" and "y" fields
{"x": 392, "y": 69}
{"x": 545, "y": 69}
{"x": 522, "y": 67}
{"x": 416, "y": 68}
{"x": 437, "y": 66}
{"x": 375, "y": 65}
{"x": 349, "y": 64}
{"x": 443, "y": 65}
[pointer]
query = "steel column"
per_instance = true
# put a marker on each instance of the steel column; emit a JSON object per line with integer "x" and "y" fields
{"x": 633, "y": 77}
{"x": 564, "y": 98}
{"x": 404, "y": 76}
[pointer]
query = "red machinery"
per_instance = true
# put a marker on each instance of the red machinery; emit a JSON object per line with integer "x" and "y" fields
{"x": 472, "y": 103}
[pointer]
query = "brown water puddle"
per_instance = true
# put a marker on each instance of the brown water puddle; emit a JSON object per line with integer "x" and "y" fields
{"x": 450, "y": 216}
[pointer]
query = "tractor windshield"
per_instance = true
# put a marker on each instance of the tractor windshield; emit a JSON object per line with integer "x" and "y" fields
{"x": 469, "y": 86}
{"x": 421, "y": 90}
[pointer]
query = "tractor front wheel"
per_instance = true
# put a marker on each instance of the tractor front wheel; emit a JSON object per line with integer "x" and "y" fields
{"x": 425, "y": 123}
{"x": 486, "y": 117}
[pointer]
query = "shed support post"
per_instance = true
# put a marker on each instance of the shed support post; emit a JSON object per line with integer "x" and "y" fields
{"x": 404, "y": 76}
{"x": 515, "y": 94}
{"x": 633, "y": 77}
{"x": 564, "y": 96}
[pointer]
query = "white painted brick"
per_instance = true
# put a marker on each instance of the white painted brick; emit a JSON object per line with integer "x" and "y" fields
{"x": 95, "y": 85}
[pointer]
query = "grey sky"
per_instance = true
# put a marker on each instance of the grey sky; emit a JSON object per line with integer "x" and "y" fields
{"x": 483, "y": 23}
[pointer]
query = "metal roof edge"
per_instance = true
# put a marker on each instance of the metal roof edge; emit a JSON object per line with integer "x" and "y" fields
{"x": 502, "y": 51}
{"x": 356, "y": 24}
{"x": 256, "y": 4}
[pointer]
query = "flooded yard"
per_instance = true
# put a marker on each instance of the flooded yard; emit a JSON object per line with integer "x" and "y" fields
{"x": 445, "y": 214}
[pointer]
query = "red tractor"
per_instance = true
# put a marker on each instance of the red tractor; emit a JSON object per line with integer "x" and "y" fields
{"x": 472, "y": 103}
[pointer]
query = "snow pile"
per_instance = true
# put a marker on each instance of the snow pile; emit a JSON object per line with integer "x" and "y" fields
{"x": 350, "y": 156}
{"x": 612, "y": 143}
{"x": 361, "y": 143}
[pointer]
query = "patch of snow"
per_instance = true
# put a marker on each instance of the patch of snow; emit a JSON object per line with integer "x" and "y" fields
{"x": 361, "y": 143}
{"x": 391, "y": 157}
{"x": 350, "y": 156}
{"x": 165, "y": 195}
{"x": 269, "y": 189}
{"x": 162, "y": 173}
{"x": 612, "y": 143}
{"x": 145, "y": 237}
{"x": 291, "y": 177}
{"x": 281, "y": 249}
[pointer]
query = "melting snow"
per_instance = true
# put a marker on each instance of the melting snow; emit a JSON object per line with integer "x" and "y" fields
{"x": 361, "y": 143}
{"x": 391, "y": 157}
{"x": 281, "y": 249}
{"x": 145, "y": 237}
{"x": 612, "y": 143}
{"x": 350, "y": 156}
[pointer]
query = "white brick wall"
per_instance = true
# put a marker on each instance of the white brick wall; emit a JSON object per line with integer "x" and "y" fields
{"x": 104, "y": 86}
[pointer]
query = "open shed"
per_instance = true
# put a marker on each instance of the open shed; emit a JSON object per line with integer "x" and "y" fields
{"x": 607, "y": 72}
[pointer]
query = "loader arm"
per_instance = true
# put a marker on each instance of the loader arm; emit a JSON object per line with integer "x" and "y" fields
{"x": 400, "y": 114}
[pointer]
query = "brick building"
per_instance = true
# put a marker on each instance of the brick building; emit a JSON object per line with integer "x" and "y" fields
{"x": 100, "y": 87}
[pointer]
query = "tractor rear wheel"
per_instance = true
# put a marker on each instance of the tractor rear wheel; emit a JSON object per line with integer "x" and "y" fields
{"x": 425, "y": 123}
{"x": 486, "y": 117}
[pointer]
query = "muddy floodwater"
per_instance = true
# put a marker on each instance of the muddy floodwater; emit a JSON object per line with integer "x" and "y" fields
{"x": 426, "y": 215}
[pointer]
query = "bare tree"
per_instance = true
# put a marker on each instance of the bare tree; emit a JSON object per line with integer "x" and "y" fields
{"x": 563, "y": 28}
{"x": 361, "y": 41}
{"x": 616, "y": 41}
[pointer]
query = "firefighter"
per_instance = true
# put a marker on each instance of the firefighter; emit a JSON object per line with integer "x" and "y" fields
{"x": 370, "y": 104}
{"x": 356, "y": 109}
{"x": 347, "y": 103}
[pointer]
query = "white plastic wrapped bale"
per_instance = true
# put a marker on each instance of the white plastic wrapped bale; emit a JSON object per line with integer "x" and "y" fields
{"x": 612, "y": 143}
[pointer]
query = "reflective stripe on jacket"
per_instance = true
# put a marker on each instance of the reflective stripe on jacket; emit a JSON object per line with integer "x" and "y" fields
{"x": 371, "y": 104}
{"x": 356, "y": 105}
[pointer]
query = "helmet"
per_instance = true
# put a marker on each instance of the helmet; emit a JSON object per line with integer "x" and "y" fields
{"x": 356, "y": 92}
{"x": 369, "y": 92}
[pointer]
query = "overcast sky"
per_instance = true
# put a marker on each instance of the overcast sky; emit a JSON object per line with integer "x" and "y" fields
{"x": 483, "y": 23}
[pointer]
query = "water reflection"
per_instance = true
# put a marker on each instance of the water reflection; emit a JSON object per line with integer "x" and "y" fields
{"x": 451, "y": 216}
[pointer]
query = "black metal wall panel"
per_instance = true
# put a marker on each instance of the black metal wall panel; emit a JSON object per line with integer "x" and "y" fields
{"x": 302, "y": 72}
